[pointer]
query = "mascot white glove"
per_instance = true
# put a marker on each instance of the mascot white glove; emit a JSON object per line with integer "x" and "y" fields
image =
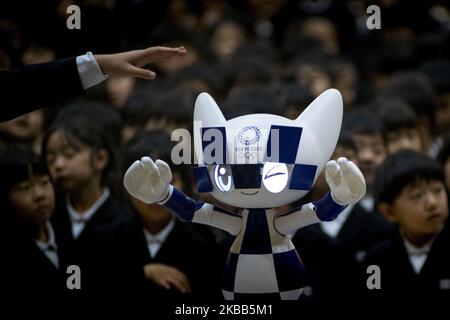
{"x": 346, "y": 182}
{"x": 148, "y": 181}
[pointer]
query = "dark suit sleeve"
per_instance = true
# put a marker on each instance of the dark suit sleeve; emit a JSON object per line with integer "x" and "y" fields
{"x": 37, "y": 86}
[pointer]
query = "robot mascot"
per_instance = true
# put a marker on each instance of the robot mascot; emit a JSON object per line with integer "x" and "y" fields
{"x": 258, "y": 162}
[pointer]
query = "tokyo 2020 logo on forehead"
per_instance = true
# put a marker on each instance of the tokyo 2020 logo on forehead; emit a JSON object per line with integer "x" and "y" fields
{"x": 249, "y": 135}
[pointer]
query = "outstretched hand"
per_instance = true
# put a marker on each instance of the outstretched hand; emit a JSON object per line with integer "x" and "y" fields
{"x": 130, "y": 63}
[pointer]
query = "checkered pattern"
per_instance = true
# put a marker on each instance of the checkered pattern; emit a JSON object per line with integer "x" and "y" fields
{"x": 263, "y": 263}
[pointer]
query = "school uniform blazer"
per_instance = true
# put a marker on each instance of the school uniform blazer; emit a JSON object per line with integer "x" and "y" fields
{"x": 332, "y": 263}
{"x": 184, "y": 249}
{"x": 31, "y": 274}
{"x": 398, "y": 279}
{"x": 79, "y": 251}
{"x": 37, "y": 86}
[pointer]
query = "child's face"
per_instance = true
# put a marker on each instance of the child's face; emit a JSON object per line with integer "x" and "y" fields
{"x": 371, "y": 153}
{"x": 33, "y": 200}
{"x": 71, "y": 168}
{"x": 228, "y": 37}
{"x": 404, "y": 139}
{"x": 420, "y": 209}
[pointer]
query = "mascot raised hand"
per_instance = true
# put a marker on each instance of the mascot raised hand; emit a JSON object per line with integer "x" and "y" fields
{"x": 258, "y": 162}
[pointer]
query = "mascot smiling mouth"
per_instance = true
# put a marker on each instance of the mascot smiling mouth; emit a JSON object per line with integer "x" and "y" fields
{"x": 249, "y": 194}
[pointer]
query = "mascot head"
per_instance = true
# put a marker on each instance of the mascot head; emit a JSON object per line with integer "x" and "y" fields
{"x": 263, "y": 160}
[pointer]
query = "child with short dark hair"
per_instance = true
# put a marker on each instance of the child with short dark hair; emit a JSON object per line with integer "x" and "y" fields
{"x": 152, "y": 254}
{"x": 402, "y": 126}
{"x": 409, "y": 190}
{"x": 31, "y": 247}
{"x": 415, "y": 89}
{"x": 369, "y": 134}
{"x": 341, "y": 243}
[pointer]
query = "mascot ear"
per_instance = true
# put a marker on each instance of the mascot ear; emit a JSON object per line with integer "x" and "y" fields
{"x": 207, "y": 111}
{"x": 206, "y": 114}
{"x": 321, "y": 122}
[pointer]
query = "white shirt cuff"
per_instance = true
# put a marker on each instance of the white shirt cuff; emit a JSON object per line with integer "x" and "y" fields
{"x": 89, "y": 71}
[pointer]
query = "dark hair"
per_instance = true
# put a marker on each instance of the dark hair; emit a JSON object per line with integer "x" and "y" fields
{"x": 364, "y": 121}
{"x": 401, "y": 169}
{"x": 153, "y": 143}
{"x": 414, "y": 88}
{"x": 397, "y": 115}
{"x": 104, "y": 116}
{"x": 17, "y": 164}
{"x": 94, "y": 126}
{"x": 200, "y": 72}
{"x": 295, "y": 45}
{"x": 245, "y": 70}
{"x": 261, "y": 49}
{"x": 138, "y": 108}
{"x": 346, "y": 140}
{"x": 253, "y": 99}
{"x": 438, "y": 72}
{"x": 156, "y": 144}
{"x": 393, "y": 55}
{"x": 172, "y": 34}
{"x": 296, "y": 95}
{"x": 175, "y": 104}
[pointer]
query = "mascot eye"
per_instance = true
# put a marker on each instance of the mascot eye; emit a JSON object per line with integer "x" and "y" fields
{"x": 223, "y": 177}
{"x": 275, "y": 176}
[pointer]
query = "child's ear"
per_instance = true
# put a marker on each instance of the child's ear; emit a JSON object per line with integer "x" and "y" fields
{"x": 101, "y": 159}
{"x": 387, "y": 211}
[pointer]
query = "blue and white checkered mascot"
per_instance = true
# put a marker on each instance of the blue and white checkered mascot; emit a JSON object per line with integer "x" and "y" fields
{"x": 258, "y": 162}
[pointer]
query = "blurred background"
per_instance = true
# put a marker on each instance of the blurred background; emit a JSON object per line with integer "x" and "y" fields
{"x": 252, "y": 56}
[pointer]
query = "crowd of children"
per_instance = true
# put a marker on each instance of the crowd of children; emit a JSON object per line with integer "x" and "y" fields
{"x": 62, "y": 200}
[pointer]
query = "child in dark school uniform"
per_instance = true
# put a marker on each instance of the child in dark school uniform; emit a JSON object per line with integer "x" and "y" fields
{"x": 341, "y": 243}
{"x": 33, "y": 258}
{"x": 410, "y": 191}
{"x": 80, "y": 152}
{"x": 153, "y": 256}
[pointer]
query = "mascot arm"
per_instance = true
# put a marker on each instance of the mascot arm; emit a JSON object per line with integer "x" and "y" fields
{"x": 149, "y": 181}
{"x": 347, "y": 185}
{"x": 187, "y": 209}
{"x": 326, "y": 209}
